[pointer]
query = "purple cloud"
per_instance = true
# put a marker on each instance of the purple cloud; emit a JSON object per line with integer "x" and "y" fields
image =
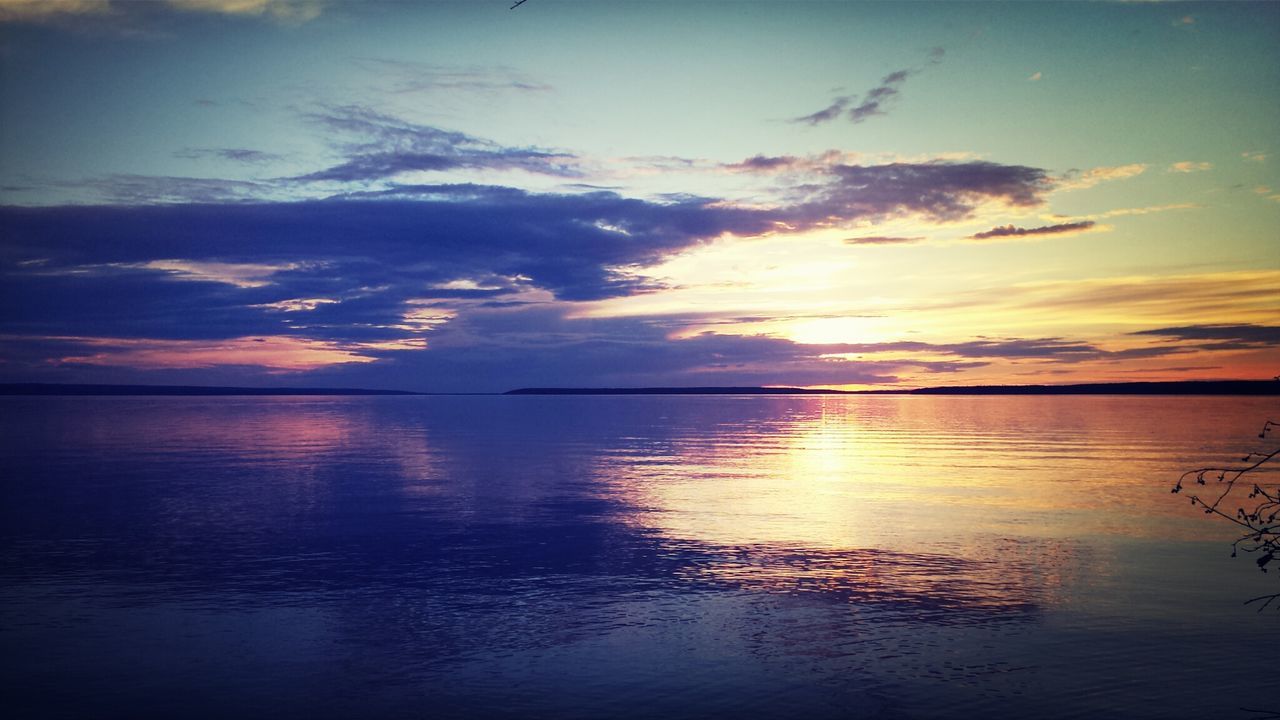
{"x": 882, "y": 240}
{"x": 831, "y": 112}
{"x": 765, "y": 163}
{"x": 939, "y": 190}
{"x": 243, "y": 155}
{"x": 1220, "y": 337}
{"x": 873, "y": 102}
{"x": 386, "y": 146}
{"x": 1006, "y": 231}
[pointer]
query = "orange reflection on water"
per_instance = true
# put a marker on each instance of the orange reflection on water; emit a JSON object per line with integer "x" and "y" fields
{"x": 983, "y": 497}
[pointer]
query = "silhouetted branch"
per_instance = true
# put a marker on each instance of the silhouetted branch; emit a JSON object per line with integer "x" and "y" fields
{"x": 1262, "y": 530}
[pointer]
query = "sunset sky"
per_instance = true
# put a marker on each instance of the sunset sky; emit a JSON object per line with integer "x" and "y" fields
{"x": 464, "y": 197}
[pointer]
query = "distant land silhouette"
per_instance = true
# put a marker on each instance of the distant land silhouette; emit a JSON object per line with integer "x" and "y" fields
{"x": 1189, "y": 387}
{"x": 77, "y": 389}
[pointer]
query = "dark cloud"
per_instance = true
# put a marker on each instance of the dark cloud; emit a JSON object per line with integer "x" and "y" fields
{"x": 171, "y": 270}
{"x": 1006, "y": 231}
{"x": 127, "y": 270}
{"x": 873, "y": 102}
{"x": 146, "y": 189}
{"x": 876, "y": 97}
{"x": 383, "y": 146}
{"x": 499, "y": 349}
{"x": 765, "y": 163}
{"x": 540, "y": 346}
{"x": 830, "y": 112}
{"x": 1220, "y": 337}
{"x": 1058, "y": 349}
{"x": 242, "y": 155}
{"x": 882, "y": 240}
{"x": 939, "y": 190}
{"x": 465, "y": 266}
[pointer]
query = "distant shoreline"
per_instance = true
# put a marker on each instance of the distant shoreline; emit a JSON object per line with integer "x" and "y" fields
{"x": 1190, "y": 387}
{"x": 179, "y": 390}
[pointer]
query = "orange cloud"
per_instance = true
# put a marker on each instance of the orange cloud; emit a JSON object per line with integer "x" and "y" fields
{"x": 38, "y": 10}
{"x": 275, "y": 353}
{"x": 1089, "y": 178}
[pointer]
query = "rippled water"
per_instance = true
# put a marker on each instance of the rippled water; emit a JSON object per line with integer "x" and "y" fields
{"x": 630, "y": 557}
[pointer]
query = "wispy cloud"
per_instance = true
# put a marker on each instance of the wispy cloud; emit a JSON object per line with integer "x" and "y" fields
{"x": 1254, "y": 156}
{"x": 1190, "y": 166}
{"x": 289, "y": 11}
{"x": 1010, "y": 231}
{"x": 403, "y": 76}
{"x": 383, "y": 146}
{"x": 1205, "y": 298}
{"x": 1221, "y": 337}
{"x": 828, "y": 113}
{"x": 148, "y": 189}
{"x": 1035, "y": 76}
{"x": 1080, "y": 180}
{"x": 273, "y": 353}
{"x": 1148, "y": 210}
{"x": 873, "y": 101}
{"x": 44, "y": 10}
{"x": 283, "y": 11}
{"x": 882, "y": 240}
{"x": 1055, "y": 348}
{"x": 242, "y": 155}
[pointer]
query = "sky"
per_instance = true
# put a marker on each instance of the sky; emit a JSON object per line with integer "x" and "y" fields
{"x": 465, "y": 197}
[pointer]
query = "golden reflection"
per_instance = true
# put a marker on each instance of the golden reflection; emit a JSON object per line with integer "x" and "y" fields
{"x": 875, "y": 496}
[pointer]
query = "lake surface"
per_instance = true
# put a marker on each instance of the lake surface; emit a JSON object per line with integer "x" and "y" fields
{"x": 625, "y": 557}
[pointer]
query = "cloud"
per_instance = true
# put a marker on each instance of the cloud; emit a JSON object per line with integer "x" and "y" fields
{"x": 1077, "y": 180}
{"x": 1051, "y": 348}
{"x": 1185, "y": 20}
{"x": 384, "y": 146}
{"x": 1122, "y": 212}
{"x": 243, "y": 275}
{"x": 819, "y": 163}
{"x": 289, "y": 11}
{"x": 284, "y": 11}
{"x": 1254, "y": 156}
{"x": 1035, "y": 76}
{"x": 241, "y": 155}
{"x": 1220, "y": 337}
{"x": 873, "y": 102}
{"x": 539, "y": 346}
{"x": 1149, "y": 299}
{"x": 106, "y": 270}
{"x": 764, "y": 163}
{"x": 1189, "y": 166}
{"x": 376, "y": 273}
{"x": 147, "y": 189}
{"x": 43, "y": 10}
{"x": 941, "y": 191}
{"x": 1010, "y": 231}
{"x": 403, "y": 76}
{"x": 830, "y": 112}
{"x": 286, "y": 354}
{"x": 882, "y": 240}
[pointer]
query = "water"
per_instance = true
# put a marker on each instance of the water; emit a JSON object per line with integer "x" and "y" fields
{"x": 629, "y": 557}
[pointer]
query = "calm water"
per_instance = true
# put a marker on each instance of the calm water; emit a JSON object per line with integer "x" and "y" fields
{"x": 628, "y": 557}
